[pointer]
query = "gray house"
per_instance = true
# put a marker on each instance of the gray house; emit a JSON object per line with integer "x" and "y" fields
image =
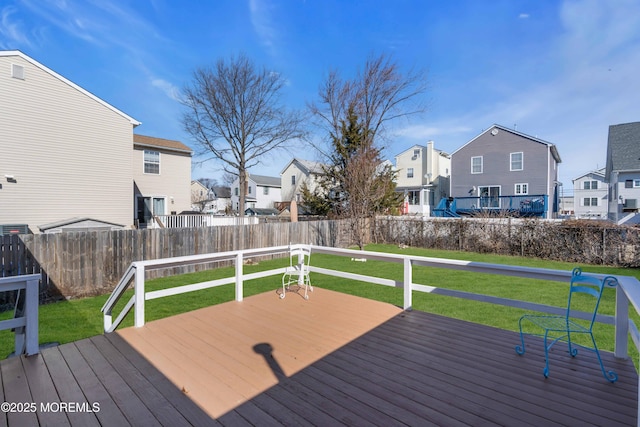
{"x": 623, "y": 172}
{"x": 505, "y": 170}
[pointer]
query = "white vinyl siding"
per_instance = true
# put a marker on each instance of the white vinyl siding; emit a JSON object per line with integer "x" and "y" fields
{"x": 50, "y": 132}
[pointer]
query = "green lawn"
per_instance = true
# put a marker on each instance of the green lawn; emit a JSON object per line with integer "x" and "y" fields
{"x": 76, "y": 319}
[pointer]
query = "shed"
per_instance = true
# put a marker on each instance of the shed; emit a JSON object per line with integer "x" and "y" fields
{"x": 79, "y": 224}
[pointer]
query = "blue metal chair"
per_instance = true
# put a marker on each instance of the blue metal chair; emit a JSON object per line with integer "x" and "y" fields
{"x": 563, "y": 328}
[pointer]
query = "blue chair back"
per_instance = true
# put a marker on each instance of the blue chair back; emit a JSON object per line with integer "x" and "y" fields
{"x": 587, "y": 285}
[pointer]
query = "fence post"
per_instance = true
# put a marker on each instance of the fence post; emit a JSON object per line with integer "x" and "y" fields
{"x": 239, "y": 276}
{"x": 31, "y": 315}
{"x": 622, "y": 324}
{"x": 139, "y": 296}
{"x": 408, "y": 278}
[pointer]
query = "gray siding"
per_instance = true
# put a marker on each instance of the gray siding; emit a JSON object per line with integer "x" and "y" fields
{"x": 539, "y": 167}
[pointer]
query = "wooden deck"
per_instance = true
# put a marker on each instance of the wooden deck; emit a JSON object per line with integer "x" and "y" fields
{"x": 335, "y": 359}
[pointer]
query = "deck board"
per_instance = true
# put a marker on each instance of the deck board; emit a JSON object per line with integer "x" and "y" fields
{"x": 335, "y": 359}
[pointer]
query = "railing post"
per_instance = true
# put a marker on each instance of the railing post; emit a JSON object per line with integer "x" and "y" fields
{"x": 239, "y": 276}
{"x": 139, "y": 296}
{"x": 408, "y": 278}
{"x": 31, "y": 314}
{"x": 622, "y": 324}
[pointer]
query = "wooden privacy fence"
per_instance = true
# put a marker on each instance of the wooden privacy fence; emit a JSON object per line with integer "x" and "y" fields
{"x": 78, "y": 264}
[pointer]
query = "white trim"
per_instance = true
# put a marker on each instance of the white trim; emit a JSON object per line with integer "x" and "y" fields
{"x": 511, "y": 169}
{"x": 515, "y": 189}
{"x": 481, "y": 165}
{"x": 144, "y": 162}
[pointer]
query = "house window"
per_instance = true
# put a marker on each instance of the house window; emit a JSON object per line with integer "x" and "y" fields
{"x": 476, "y": 164}
{"x": 416, "y": 152}
{"x": 636, "y": 182}
{"x": 152, "y": 162}
{"x": 590, "y": 201}
{"x": 410, "y": 173}
{"x": 235, "y": 191}
{"x": 293, "y": 180}
{"x": 413, "y": 197}
{"x": 249, "y": 189}
{"x": 590, "y": 185}
{"x": 628, "y": 183}
{"x": 265, "y": 191}
{"x": 489, "y": 196}
{"x": 521, "y": 189}
{"x": 516, "y": 161}
{"x": 150, "y": 206}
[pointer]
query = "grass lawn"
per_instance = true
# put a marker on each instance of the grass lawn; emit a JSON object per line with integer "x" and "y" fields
{"x": 76, "y": 319}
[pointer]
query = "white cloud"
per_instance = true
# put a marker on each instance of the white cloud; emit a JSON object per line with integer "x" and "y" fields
{"x": 12, "y": 30}
{"x": 524, "y": 16}
{"x": 168, "y": 88}
{"x": 263, "y": 25}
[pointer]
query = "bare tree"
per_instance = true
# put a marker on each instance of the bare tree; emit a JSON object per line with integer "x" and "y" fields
{"x": 234, "y": 112}
{"x": 378, "y": 95}
{"x": 356, "y": 113}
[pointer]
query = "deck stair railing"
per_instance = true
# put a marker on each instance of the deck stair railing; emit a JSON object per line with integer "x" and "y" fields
{"x": 25, "y": 321}
{"x": 627, "y": 290}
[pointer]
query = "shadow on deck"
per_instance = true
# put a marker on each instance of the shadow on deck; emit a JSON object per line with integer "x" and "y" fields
{"x": 335, "y": 359}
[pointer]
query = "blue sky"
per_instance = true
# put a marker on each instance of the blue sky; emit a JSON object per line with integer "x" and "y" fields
{"x": 562, "y": 71}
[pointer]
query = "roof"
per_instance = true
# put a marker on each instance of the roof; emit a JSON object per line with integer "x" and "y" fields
{"x": 422, "y": 147}
{"x": 265, "y": 181}
{"x": 552, "y": 147}
{"x": 222, "y": 192}
{"x": 623, "y": 147}
{"x": 167, "y": 144}
{"x": 307, "y": 166}
{"x": 261, "y": 211}
{"x": 9, "y": 53}
{"x": 598, "y": 172}
{"x": 80, "y": 222}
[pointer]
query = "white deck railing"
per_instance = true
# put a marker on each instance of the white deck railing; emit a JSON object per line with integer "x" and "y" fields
{"x": 627, "y": 291}
{"x": 25, "y": 321}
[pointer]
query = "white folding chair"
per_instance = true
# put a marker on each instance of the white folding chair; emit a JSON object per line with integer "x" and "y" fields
{"x": 297, "y": 273}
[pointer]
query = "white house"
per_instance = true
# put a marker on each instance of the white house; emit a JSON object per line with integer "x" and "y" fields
{"x": 70, "y": 161}
{"x": 65, "y": 152}
{"x": 262, "y": 192}
{"x": 623, "y": 172}
{"x": 590, "y": 195}
{"x": 161, "y": 177}
{"x": 423, "y": 176}
{"x": 297, "y": 173}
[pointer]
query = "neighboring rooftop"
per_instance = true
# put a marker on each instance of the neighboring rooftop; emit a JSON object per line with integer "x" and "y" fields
{"x": 266, "y": 181}
{"x": 623, "y": 148}
{"x": 167, "y": 144}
